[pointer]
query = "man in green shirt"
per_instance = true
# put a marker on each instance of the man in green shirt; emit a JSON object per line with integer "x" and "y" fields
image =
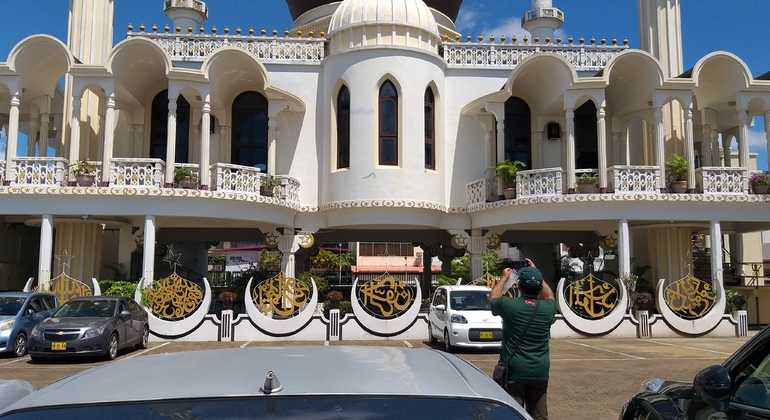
{"x": 529, "y": 366}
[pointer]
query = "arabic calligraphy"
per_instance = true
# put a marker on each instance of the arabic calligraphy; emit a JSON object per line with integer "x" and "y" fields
{"x": 280, "y": 295}
{"x": 590, "y": 297}
{"x": 689, "y": 297}
{"x": 173, "y": 297}
{"x": 386, "y": 297}
{"x": 490, "y": 281}
{"x": 65, "y": 288}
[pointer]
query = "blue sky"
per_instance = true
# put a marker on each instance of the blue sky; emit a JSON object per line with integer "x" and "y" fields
{"x": 736, "y": 26}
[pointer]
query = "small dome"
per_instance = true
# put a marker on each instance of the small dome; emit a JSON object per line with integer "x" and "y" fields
{"x": 374, "y": 22}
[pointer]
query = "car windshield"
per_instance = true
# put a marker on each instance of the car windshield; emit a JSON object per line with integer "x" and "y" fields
{"x": 470, "y": 300}
{"x": 86, "y": 308}
{"x": 277, "y": 407}
{"x": 10, "y": 305}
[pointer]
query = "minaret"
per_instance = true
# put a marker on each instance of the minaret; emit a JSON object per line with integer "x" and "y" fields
{"x": 660, "y": 33}
{"x": 186, "y": 13}
{"x": 542, "y": 20}
{"x": 89, "y": 33}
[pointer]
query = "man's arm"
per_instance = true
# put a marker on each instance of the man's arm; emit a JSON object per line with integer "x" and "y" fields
{"x": 545, "y": 292}
{"x": 497, "y": 291}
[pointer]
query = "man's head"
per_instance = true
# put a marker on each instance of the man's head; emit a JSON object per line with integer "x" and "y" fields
{"x": 530, "y": 281}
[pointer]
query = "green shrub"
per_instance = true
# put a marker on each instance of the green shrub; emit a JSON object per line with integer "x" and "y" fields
{"x": 119, "y": 288}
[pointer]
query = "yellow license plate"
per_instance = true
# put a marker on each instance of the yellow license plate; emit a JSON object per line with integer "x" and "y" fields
{"x": 58, "y": 346}
{"x": 486, "y": 334}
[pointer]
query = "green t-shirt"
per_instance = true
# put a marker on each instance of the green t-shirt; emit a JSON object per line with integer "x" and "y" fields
{"x": 532, "y": 360}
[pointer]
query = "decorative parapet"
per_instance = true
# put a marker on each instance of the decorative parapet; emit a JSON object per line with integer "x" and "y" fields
{"x": 481, "y": 190}
{"x": 539, "y": 182}
{"x": 719, "y": 180}
{"x": 196, "y": 47}
{"x": 39, "y": 170}
{"x": 137, "y": 172}
{"x": 624, "y": 178}
{"x": 583, "y": 57}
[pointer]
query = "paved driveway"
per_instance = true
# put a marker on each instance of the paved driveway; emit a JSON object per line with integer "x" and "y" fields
{"x": 590, "y": 378}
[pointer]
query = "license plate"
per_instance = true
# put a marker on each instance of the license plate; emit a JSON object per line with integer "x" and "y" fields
{"x": 58, "y": 346}
{"x": 486, "y": 334}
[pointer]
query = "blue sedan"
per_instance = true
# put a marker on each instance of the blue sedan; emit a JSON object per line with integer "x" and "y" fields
{"x": 20, "y": 312}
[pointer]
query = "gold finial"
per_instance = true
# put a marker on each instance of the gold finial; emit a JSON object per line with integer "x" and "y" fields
{"x": 614, "y": 41}
{"x": 227, "y": 30}
{"x": 299, "y": 34}
{"x": 468, "y": 38}
{"x": 201, "y": 30}
{"x": 513, "y": 39}
{"x": 238, "y": 30}
{"x": 604, "y": 41}
{"x": 525, "y": 39}
{"x": 536, "y": 40}
{"x": 310, "y": 34}
{"x": 625, "y": 41}
{"x": 322, "y": 34}
{"x": 214, "y": 30}
{"x": 481, "y": 38}
{"x": 166, "y": 28}
{"x": 189, "y": 29}
{"x": 547, "y": 40}
{"x": 558, "y": 40}
{"x": 570, "y": 40}
{"x": 154, "y": 28}
{"x": 582, "y": 40}
{"x": 251, "y": 32}
{"x": 130, "y": 27}
{"x": 502, "y": 39}
{"x": 285, "y": 33}
{"x": 177, "y": 29}
{"x": 593, "y": 40}
{"x": 141, "y": 28}
{"x": 445, "y": 37}
{"x": 457, "y": 38}
{"x": 491, "y": 38}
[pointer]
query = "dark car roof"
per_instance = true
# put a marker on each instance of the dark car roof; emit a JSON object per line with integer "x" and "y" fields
{"x": 24, "y": 294}
{"x": 761, "y": 339}
{"x": 301, "y": 370}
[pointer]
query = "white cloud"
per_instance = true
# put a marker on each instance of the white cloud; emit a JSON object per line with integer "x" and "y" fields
{"x": 467, "y": 20}
{"x": 508, "y": 28}
{"x": 757, "y": 138}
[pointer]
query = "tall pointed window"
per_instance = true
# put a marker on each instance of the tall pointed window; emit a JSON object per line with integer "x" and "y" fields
{"x": 249, "y": 135}
{"x": 430, "y": 130}
{"x": 586, "y": 135}
{"x": 388, "y": 124}
{"x": 159, "y": 128}
{"x": 343, "y": 128}
{"x": 518, "y": 145}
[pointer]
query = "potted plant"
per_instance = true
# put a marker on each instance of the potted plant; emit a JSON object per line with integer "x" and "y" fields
{"x": 676, "y": 172}
{"x": 759, "y": 182}
{"x": 84, "y": 171}
{"x": 227, "y": 299}
{"x": 506, "y": 172}
{"x": 586, "y": 183}
{"x": 268, "y": 184}
{"x": 184, "y": 177}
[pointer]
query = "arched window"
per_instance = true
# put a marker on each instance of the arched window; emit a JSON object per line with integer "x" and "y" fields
{"x": 159, "y": 128}
{"x": 388, "y": 124}
{"x": 430, "y": 130}
{"x": 249, "y": 141}
{"x": 518, "y": 134}
{"x": 343, "y": 128}
{"x": 586, "y": 144}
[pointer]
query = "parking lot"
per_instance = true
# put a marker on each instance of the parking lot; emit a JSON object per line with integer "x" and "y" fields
{"x": 590, "y": 378}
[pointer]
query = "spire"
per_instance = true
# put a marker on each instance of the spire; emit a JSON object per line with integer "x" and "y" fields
{"x": 542, "y": 20}
{"x": 89, "y": 36}
{"x": 186, "y": 13}
{"x": 660, "y": 33}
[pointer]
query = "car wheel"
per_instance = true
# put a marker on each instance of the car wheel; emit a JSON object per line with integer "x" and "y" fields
{"x": 20, "y": 345}
{"x": 431, "y": 338}
{"x": 142, "y": 344}
{"x": 112, "y": 347}
{"x": 447, "y": 343}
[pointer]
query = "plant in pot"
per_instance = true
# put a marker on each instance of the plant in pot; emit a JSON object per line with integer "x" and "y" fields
{"x": 759, "y": 182}
{"x": 586, "y": 183}
{"x": 268, "y": 184}
{"x": 506, "y": 172}
{"x": 227, "y": 299}
{"x": 184, "y": 177}
{"x": 676, "y": 172}
{"x": 84, "y": 171}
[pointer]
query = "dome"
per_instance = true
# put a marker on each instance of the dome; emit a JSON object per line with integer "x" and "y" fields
{"x": 450, "y": 8}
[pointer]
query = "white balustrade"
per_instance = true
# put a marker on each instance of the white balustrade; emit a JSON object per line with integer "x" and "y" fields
{"x": 626, "y": 178}
{"x": 289, "y": 189}
{"x": 481, "y": 190}
{"x": 230, "y": 177}
{"x": 2, "y": 171}
{"x": 583, "y": 57}
{"x": 136, "y": 172}
{"x": 39, "y": 170}
{"x": 539, "y": 182}
{"x": 722, "y": 180}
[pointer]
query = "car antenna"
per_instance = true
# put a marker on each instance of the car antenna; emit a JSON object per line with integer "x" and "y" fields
{"x": 272, "y": 384}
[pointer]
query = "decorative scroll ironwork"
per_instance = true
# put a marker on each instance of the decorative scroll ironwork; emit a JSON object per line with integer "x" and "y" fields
{"x": 65, "y": 288}
{"x": 173, "y": 298}
{"x": 281, "y": 295}
{"x": 385, "y": 297}
{"x": 689, "y": 297}
{"x": 591, "y": 298}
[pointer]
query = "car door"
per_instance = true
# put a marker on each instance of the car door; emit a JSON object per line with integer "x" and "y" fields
{"x": 123, "y": 323}
{"x": 437, "y": 316}
{"x": 751, "y": 387}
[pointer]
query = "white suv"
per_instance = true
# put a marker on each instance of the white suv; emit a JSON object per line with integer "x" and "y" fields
{"x": 461, "y": 316}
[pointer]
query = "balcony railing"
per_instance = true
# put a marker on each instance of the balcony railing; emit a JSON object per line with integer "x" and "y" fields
{"x": 719, "y": 180}
{"x": 481, "y": 191}
{"x": 624, "y": 178}
{"x": 137, "y": 172}
{"x": 539, "y": 182}
{"x": 39, "y": 170}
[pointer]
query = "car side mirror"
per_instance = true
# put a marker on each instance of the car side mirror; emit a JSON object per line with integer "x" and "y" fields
{"x": 30, "y": 312}
{"x": 125, "y": 313}
{"x": 441, "y": 307}
{"x": 712, "y": 385}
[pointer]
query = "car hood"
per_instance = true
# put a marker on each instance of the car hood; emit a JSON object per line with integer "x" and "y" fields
{"x": 74, "y": 322}
{"x": 479, "y": 316}
{"x": 4, "y": 318}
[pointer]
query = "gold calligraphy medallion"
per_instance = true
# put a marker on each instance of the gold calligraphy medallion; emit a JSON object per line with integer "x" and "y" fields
{"x": 280, "y": 295}
{"x": 689, "y": 297}
{"x": 489, "y": 280}
{"x": 173, "y": 298}
{"x": 385, "y": 297}
{"x": 591, "y": 298}
{"x": 65, "y": 288}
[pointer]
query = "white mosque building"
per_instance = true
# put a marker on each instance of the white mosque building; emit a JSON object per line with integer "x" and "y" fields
{"x": 376, "y": 121}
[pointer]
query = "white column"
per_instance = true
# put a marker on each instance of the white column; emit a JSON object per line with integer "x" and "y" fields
{"x": 139, "y": 149}
{"x": 46, "y": 249}
{"x": 12, "y": 138}
{"x": 660, "y": 148}
{"x": 271, "y": 135}
{"x": 726, "y": 151}
{"x": 601, "y": 127}
{"x": 715, "y": 233}
{"x": 689, "y": 147}
{"x": 224, "y": 143}
{"x": 205, "y": 174}
{"x": 477, "y": 252}
{"x": 109, "y": 139}
{"x": 498, "y": 152}
{"x": 743, "y": 138}
{"x": 767, "y": 134}
{"x": 45, "y": 120}
{"x": 570, "y": 167}
{"x": 148, "y": 254}
{"x": 74, "y": 135}
{"x": 171, "y": 143}
{"x": 624, "y": 248}
{"x": 707, "y": 157}
{"x": 288, "y": 245}
{"x": 32, "y": 138}
{"x": 715, "y": 159}
{"x": 618, "y": 149}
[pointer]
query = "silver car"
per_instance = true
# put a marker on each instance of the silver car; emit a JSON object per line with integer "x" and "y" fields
{"x": 19, "y": 313}
{"x": 91, "y": 326}
{"x": 315, "y": 382}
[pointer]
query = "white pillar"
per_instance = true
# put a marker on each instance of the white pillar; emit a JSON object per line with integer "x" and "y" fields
{"x": 618, "y": 149}
{"x": 12, "y": 138}
{"x": 288, "y": 245}
{"x": 601, "y": 127}
{"x": 624, "y": 248}
{"x": 477, "y": 252}
{"x": 205, "y": 174}
{"x": 715, "y": 159}
{"x": 46, "y": 248}
{"x": 74, "y": 135}
{"x": 32, "y": 138}
{"x": 726, "y": 151}
{"x": 171, "y": 143}
{"x": 743, "y": 138}
{"x": 767, "y": 134}
{"x": 660, "y": 148}
{"x": 498, "y": 151}
{"x": 715, "y": 233}
{"x": 224, "y": 143}
{"x": 45, "y": 120}
{"x": 707, "y": 157}
{"x": 689, "y": 147}
{"x": 109, "y": 139}
{"x": 148, "y": 254}
{"x": 570, "y": 167}
{"x": 271, "y": 135}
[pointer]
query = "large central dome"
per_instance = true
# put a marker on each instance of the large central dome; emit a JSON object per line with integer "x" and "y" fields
{"x": 448, "y": 7}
